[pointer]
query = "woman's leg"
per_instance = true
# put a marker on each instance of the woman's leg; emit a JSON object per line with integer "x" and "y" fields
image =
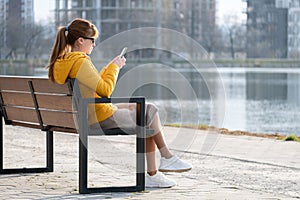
{"x": 150, "y": 156}
{"x": 152, "y": 142}
{"x": 168, "y": 162}
{"x": 120, "y": 119}
{"x": 158, "y": 137}
{"x": 157, "y": 140}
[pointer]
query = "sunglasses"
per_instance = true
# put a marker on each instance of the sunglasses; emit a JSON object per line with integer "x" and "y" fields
{"x": 89, "y": 38}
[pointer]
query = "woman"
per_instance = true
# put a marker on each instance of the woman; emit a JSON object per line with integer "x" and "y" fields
{"x": 69, "y": 59}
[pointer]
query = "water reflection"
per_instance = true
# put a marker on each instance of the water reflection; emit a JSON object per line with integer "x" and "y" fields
{"x": 263, "y": 100}
{"x": 266, "y": 86}
{"x": 293, "y": 88}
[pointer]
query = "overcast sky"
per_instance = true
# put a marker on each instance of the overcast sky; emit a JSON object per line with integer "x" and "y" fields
{"x": 44, "y": 9}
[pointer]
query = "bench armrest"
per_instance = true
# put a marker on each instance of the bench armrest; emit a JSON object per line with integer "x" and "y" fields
{"x": 139, "y": 100}
{"x": 140, "y": 109}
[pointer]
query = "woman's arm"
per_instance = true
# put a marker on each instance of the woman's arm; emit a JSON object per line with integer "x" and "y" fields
{"x": 102, "y": 84}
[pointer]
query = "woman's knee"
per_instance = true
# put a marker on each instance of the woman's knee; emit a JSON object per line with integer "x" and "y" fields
{"x": 151, "y": 106}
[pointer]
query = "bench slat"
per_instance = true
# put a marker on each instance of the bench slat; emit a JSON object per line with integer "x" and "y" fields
{"x": 42, "y": 85}
{"x": 14, "y": 83}
{"x": 21, "y": 114}
{"x": 17, "y": 99}
{"x": 36, "y": 126}
{"x": 63, "y": 119}
{"x": 52, "y": 102}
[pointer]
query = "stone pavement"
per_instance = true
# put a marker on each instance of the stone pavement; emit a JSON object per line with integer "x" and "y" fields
{"x": 225, "y": 166}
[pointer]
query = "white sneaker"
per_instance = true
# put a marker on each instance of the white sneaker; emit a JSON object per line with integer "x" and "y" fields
{"x": 173, "y": 164}
{"x": 159, "y": 180}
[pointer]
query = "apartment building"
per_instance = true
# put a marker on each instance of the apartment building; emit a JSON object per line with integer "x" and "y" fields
{"x": 266, "y": 29}
{"x": 16, "y": 17}
{"x": 293, "y": 29}
{"x": 196, "y": 18}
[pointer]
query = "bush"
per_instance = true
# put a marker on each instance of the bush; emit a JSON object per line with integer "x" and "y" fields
{"x": 292, "y": 138}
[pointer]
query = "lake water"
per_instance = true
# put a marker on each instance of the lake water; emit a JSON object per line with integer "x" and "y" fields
{"x": 261, "y": 100}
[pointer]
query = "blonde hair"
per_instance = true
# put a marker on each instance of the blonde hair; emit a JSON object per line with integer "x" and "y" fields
{"x": 66, "y": 37}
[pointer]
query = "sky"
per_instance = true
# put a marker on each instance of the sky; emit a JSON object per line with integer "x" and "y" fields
{"x": 44, "y": 9}
{"x": 230, "y": 7}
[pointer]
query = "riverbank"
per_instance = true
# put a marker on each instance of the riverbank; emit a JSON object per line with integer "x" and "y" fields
{"x": 31, "y": 67}
{"x": 225, "y": 166}
{"x": 239, "y": 132}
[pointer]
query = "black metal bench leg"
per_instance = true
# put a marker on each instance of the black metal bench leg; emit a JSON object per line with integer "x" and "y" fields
{"x": 83, "y": 158}
{"x": 49, "y": 154}
{"x": 83, "y": 165}
{"x": 50, "y": 151}
{"x": 1, "y": 144}
{"x": 140, "y": 146}
{"x": 140, "y": 164}
{"x": 83, "y": 173}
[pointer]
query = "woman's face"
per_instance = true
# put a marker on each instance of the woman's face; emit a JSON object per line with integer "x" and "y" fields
{"x": 86, "y": 44}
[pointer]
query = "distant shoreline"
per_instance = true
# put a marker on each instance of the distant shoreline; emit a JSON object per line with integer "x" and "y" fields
{"x": 237, "y": 132}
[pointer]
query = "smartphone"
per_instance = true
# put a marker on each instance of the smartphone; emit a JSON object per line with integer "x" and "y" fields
{"x": 124, "y": 50}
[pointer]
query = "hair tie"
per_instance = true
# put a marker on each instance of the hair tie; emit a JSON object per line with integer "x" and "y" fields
{"x": 67, "y": 30}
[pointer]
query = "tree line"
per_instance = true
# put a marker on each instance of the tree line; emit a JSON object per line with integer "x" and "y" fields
{"x": 227, "y": 40}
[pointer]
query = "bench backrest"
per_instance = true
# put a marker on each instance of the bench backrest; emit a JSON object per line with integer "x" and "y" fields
{"x": 37, "y": 102}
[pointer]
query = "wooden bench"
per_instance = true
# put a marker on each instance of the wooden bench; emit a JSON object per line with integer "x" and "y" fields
{"x": 40, "y": 104}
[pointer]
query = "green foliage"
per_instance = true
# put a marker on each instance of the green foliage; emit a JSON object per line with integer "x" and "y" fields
{"x": 292, "y": 138}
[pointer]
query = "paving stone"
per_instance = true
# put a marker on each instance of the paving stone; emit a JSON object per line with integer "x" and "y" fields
{"x": 225, "y": 167}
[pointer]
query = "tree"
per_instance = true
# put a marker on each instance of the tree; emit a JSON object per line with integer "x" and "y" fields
{"x": 28, "y": 41}
{"x": 14, "y": 37}
{"x": 31, "y": 38}
{"x": 235, "y": 34}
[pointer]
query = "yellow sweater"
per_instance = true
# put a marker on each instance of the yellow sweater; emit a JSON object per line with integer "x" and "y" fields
{"x": 93, "y": 84}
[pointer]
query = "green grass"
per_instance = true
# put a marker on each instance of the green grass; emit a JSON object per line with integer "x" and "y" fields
{"x": 292, "y": 138}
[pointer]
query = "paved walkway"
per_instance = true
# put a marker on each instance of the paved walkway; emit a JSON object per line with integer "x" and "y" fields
{"x": 225, "y": 167}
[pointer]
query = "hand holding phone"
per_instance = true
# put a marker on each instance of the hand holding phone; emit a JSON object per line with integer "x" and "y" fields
{"x": 124, "y": 50}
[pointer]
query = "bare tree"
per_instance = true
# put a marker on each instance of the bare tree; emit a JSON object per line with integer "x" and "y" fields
{"x": 235, "y": 34}
{"x": 43, "y": 41}
{"x": 30, "y": 41}
{"x": 14, "y": 37}
{"x": 31, "y": 37}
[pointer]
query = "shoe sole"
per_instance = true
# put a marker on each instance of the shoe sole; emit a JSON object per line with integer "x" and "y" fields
{"x": 170, "y": 170}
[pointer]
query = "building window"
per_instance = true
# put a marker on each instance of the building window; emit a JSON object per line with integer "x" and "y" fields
{"x": 270, "y": 17}
{"x": 108, "y": 3}
{"x": 279, "y": 4}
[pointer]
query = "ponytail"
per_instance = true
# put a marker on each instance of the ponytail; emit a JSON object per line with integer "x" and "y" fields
{"x": 59, "y": 49}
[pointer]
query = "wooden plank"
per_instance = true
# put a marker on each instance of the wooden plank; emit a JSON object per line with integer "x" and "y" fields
{"x": 62, "y": 119}
{"x": 44, "y": 85}
{"x": 36, "y": 126}
{"x": 65, "y": 130}
{"x": 21, "y": 114}
{"x": 17, "y": 99}
{"x": 14, "y": 83}
{"x": 54, "y": 102}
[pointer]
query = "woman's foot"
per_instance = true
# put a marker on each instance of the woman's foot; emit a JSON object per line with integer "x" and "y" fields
{"x": 173, "y": 164}
{"x": 159, "y": 180}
